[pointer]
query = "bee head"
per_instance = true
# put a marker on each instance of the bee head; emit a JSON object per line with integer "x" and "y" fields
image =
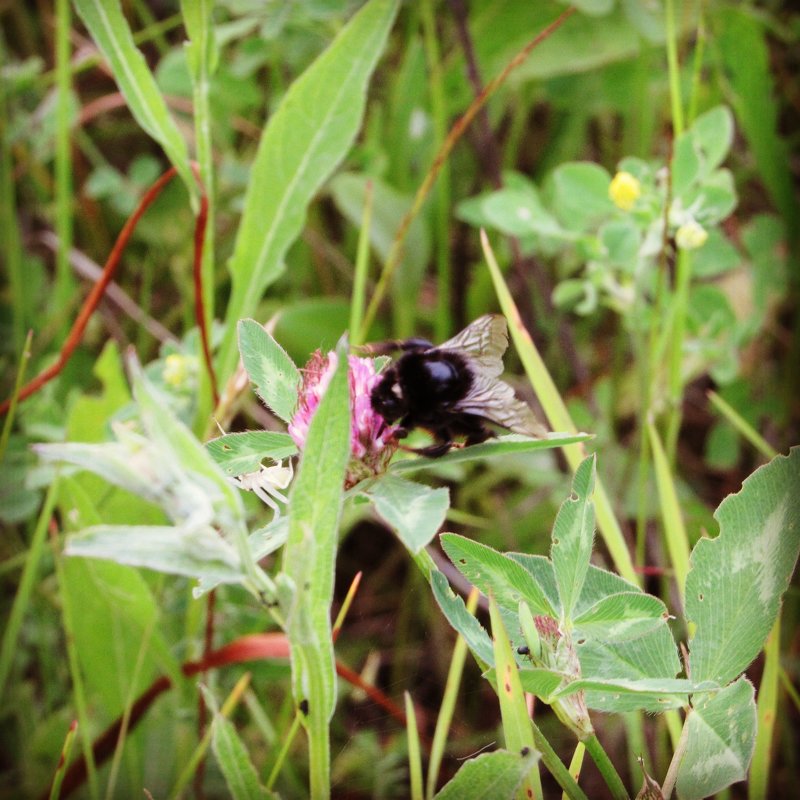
{"x": 387, "y": 397}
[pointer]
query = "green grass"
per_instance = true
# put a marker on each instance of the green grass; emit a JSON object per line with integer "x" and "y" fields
{"x": 674, "y": 360}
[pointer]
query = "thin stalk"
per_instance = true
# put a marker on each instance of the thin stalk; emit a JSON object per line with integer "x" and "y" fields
{"x": 555, "y": 767}
{"x": 22, "y": 598}
{"x": 449, "y": 698}
{"x": 444, "y": 325}
{"x": 575, "y": 765}
{"x": 9, "y": 230}
{"x": 225, "y": 711}
{"x": 284, "y": 751}
{"x": 697, "y": 65}
{"x": 24, "y": 358}
{"x": 396, "y": 251}
{"x": 758, "y": 782}
{"x": 66, "y": 749}
{"x": 414, "y": 753}
{"x": 558, "y": 416}
{"x": 674, "y": 765}
{"x": 742, "y": 425}
{"x": 606, "y": 768}
{"x": 357, "y": 301}
{"x": 65, "y": 281}
{"x": 78, "y": 691}
{"x": 675, "y": 535}
{"x": 203, "y": 54}
{"x": 674, "y": 69}
{"x": 680, "y": 302}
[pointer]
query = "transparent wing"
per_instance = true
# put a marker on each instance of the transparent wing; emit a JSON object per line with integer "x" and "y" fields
{"x": 484, "y": 341}
{"x": 495, "y": 400}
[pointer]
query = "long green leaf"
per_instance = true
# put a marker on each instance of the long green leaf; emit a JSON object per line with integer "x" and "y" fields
{"x": 111, "y": 33}
{"x": 513, "y": 709}
{"x": 315, "y": 506}
{"x": 306, "y": 138}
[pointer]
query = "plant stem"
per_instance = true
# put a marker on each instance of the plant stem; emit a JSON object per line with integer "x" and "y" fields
{"x": 607, "y": 769}
{"x": 443, "y": 327}
{"x": 362, "y": 268}
{"x": 65, "y": 283}
{"x": 742, "y": 425}
{"x": 674, "y": 69}
{"x": 555, "y": 767}
{"x": 448, "y": 702}
{"x": 677, "y": 757}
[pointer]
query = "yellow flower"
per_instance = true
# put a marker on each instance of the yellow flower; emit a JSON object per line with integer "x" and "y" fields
{"x": 624, "y": 190}
{"x": 176, "y": 370}
{"x": 691, "y": 235}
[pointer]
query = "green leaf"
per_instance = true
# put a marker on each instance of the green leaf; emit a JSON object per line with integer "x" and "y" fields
{"x": 489, "y": 776}
{"x": 712, "y": 133}
{"x": 652, "y": 656}
{"x": 239, "y": 453}
{"x": 685, "y": 166}
{"x": 495, "y": 574}
{"x": 579, "y": 192}
{"x": 501, "y": 446}
{"x": 414, "y": 511}
{"x": 111, "y": 33}
{"x": 315, "y": 506}
{"x": 721, "y": 736}
{"x": 194, "y": 552}
{"x": 736, "y": 580}
{"x": 304, "y": 141}
{"x": 573, "y": 535}
{"x": 513, "y": 709}
{"x": 621, "y": 617}
{"x": 520, "y": 212}
{"x": 273, "y": 373}
{"x": 240, "y": 775}
{"x": 465, "y": 623}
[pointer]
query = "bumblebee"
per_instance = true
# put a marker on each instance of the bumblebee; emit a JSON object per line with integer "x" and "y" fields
{"x": 452, "y": 390}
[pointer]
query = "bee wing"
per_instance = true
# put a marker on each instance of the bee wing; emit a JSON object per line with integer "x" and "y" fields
{"x": 495, "y": 400}
{"x": 484, "y": 341}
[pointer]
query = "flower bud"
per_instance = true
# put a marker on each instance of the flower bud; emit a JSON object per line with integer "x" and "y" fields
{"x": 624, "y": 190}
{"x": 691, "y": 235}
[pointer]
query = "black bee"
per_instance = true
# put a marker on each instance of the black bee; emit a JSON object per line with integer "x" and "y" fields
{"x": 454, "y": 389}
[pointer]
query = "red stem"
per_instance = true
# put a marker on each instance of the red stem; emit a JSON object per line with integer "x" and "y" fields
{"x": 109, "y": 268}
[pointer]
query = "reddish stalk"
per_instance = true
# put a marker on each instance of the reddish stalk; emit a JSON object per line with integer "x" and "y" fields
{"x": 246, "y": 648}
{"x": 109, "y": 268}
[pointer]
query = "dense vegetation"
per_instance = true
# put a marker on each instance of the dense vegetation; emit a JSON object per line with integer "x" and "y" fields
{"x": 617, "y": 179}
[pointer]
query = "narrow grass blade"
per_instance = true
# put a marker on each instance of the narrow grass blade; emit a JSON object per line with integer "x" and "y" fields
{"x": 414, "y": 750}
{"x": 674, "y": 529}
{"x": 447, "y": 708}
{"x": 111, "y": 33}
{"x": 513, "y": 709}
{"x": 557, "y": 415}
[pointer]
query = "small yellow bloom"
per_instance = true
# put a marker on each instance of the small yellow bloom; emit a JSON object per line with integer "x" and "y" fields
{"x": 176, "y": 370}
{"x": 624, "y": 190}
{"x": 691, "y": 235}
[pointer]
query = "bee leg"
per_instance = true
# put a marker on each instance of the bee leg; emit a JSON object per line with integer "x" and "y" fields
{"x": 432, "y": 450}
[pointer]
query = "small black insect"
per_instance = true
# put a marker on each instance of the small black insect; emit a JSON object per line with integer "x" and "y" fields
{"x": 454, "y": 389}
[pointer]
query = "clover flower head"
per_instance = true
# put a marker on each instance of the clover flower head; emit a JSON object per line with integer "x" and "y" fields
{"x": 372, "y": 441}
{"x": 691, "y": 235}
{"x": 624, "y": 190}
